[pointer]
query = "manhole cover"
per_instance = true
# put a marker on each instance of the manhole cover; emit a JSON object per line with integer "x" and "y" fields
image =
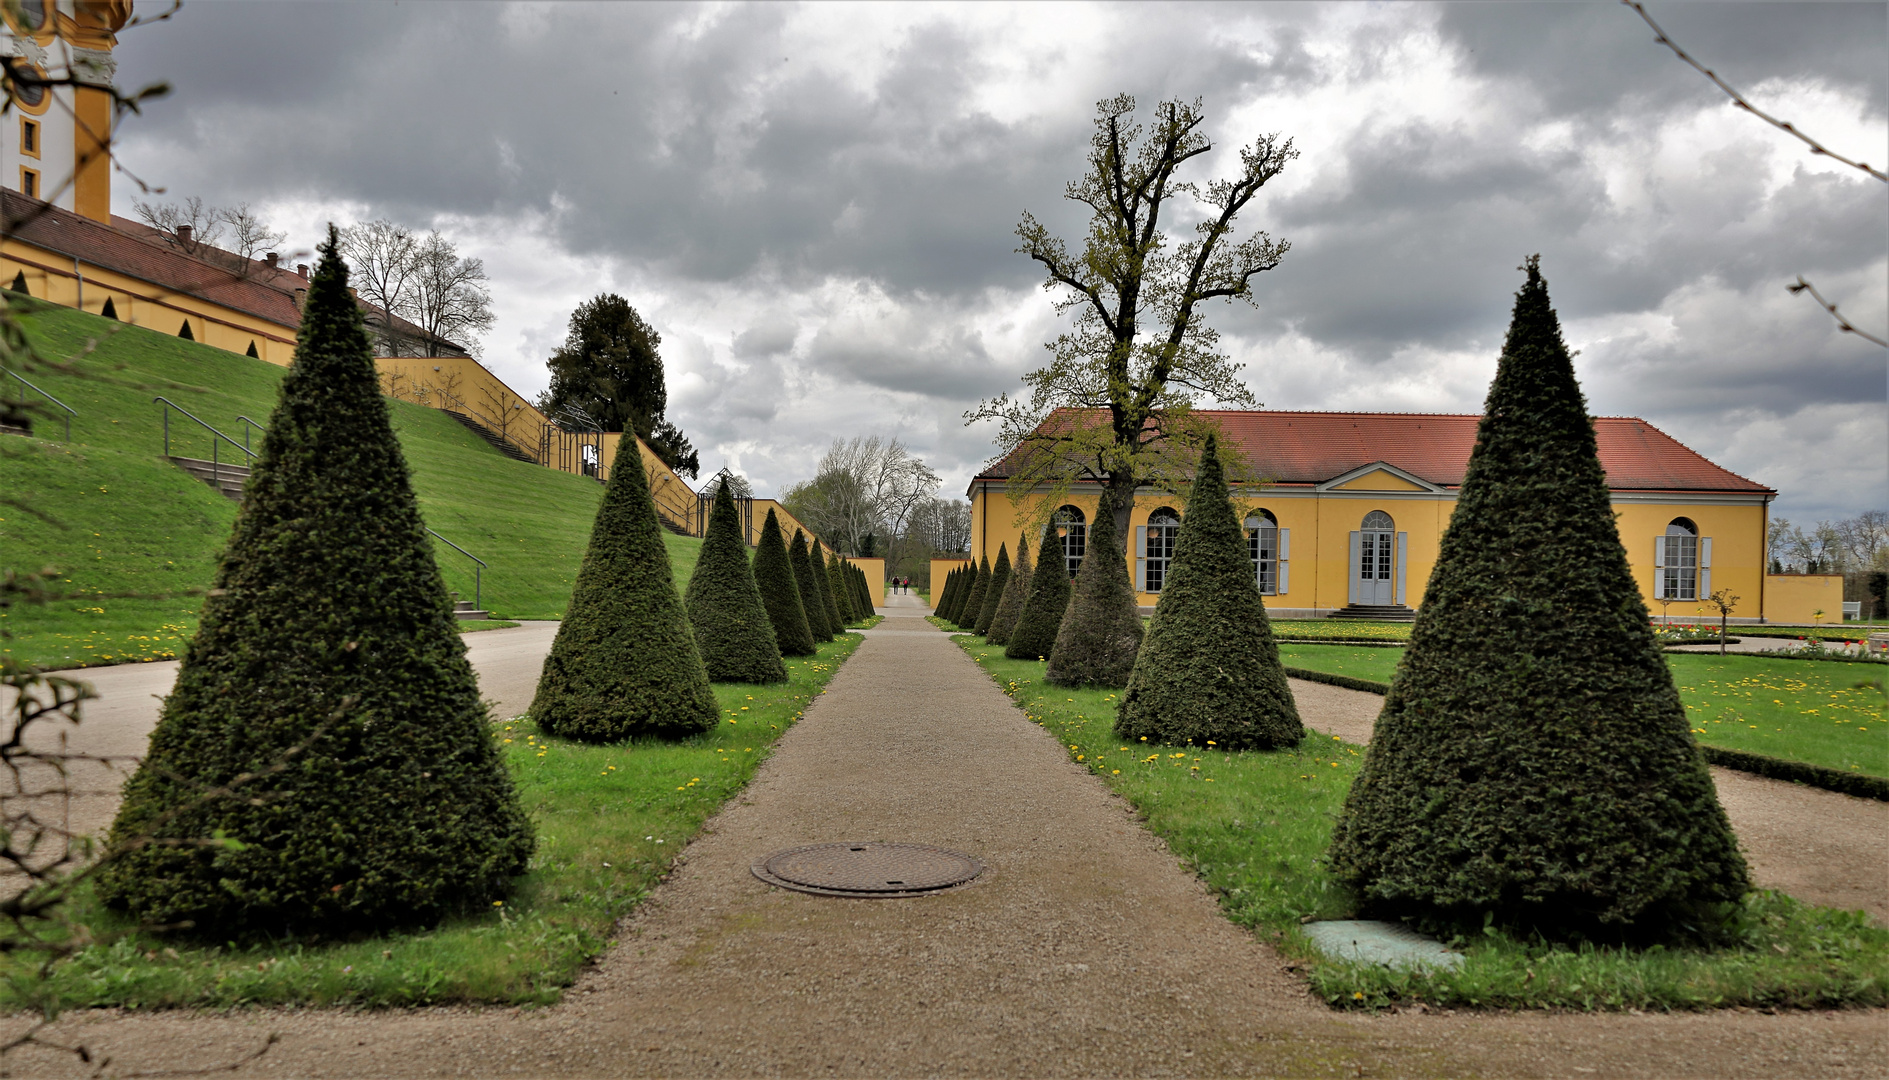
{"x": 867, "y": 869}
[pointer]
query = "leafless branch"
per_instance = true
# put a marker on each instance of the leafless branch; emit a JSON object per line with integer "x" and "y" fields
{"x": 1739, "y": 100}
{"x": 1844, "y": 324}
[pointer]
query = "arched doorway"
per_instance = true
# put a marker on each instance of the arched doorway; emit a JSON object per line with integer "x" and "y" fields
{"x": 1373, "y": 560}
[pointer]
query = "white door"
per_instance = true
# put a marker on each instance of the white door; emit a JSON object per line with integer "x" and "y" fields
{"x": 1371, "y": 571}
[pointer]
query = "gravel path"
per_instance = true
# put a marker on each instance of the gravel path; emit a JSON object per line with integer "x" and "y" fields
{"x": 1085, "y": 949}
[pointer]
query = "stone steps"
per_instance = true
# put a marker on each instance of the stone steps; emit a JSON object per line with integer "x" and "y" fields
{"x": 225, "y": 477}
{"x": 1376, "y": 613}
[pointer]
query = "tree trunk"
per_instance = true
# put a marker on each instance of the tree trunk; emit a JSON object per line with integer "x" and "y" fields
{"x": 1122, "y": 486}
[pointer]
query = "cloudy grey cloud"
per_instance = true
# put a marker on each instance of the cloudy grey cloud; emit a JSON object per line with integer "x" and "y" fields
{"x": 815, "y": 205}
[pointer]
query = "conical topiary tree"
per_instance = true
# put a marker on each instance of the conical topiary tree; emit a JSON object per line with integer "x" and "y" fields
{"x": 974, "y": 597}
{"x": 780, "y": 591}
{"x": 1034, "y": 635}
{"x": 863, "y": 588}
{"x": 1208, "y": 670}
{"x": 960, "y": 581}
{"x": 1010, "y": 605}
{"x": 731, "y": 623}
{"x": 327, "y": 650}
{"x": 946, "y": 595}
{"x": 1101, "y": 632}
{"x": 972, "y": 576}
{"x": 810, "y": 598}
{"x": 834, "y": 616}
{"x": 624, "y": 663}
{"x": 994, "y": 589}
{"x": 840, "y": 591}
{"x": 1533, "y": 762}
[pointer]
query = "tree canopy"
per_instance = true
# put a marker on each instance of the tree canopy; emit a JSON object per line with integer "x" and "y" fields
{"x": 609, "y": 372}
{"x": 1114, "y": 404}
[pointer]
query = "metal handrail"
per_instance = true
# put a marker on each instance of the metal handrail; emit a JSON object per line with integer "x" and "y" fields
{"x": 252, "y": 424}
{"x": 216, "y": 463}
{"x": 70, "y": 411}
{"x": 478, "y": 577}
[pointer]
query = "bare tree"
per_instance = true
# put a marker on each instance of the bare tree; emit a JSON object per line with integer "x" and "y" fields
{"x": 448, "y": 298}
{"x": 380, "y": 257}
{"x": 1114, "y": 405}
{"x": 865, "y": 485}
{"x": 250, "y": 236}
{"x": 190, "y": 226}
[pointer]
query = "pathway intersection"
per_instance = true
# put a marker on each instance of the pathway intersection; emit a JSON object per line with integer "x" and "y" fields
{"x": 1084, "y": 949}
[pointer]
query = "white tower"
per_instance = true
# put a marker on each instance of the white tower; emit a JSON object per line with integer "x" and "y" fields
{"x": 55, "y": 140}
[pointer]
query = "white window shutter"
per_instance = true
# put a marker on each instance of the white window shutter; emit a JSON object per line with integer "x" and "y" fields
{"x": 1285, "y": 552}
{"x": 1403, "y": 550}
{"x": 1141, "y": 558}
{"x": 1357, "y": 554}
{"x": 1705, "y": 567}
{"x": 1659, "y": 567}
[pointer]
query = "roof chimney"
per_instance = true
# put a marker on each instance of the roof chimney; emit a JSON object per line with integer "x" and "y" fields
{"x": 183, "y": 233}
{"x": 302, "y": 269}
{"x": 271, "y": 258}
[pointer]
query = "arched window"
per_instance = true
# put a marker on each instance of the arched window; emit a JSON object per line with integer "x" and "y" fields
{"x": 1154, "y": 543}
{"x": 1379, "y": 534}
{"x": 1073, "y": 530}
{"x": 1262, "y": 545}
{"x": 1676, "y": 561}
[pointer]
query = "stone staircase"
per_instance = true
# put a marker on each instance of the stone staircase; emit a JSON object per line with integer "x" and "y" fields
{"x": 224, "y": 477}
{"x": 498, "y": 442}
{"x": 1376, "y": 613}
{"x": 463, "y": 609}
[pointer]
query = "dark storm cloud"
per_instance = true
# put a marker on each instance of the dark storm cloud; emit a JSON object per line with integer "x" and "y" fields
{"x": 828, "y": 223}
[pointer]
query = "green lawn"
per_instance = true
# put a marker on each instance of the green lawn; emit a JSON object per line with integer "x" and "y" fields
{"x": 1799, "y": 710}
{"x": 126, "y": 521}
{"x": 611, "y": 822}
{"x": 1255, "y": 827}
{"x": 1328, "y": 629}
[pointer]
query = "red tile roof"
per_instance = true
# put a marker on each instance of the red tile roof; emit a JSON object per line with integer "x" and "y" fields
{"x": 1313, "y": 447}
{"x": 137, "y": 250}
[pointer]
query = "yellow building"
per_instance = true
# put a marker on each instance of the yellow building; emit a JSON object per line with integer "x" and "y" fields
{"x": 1352, "y": 516}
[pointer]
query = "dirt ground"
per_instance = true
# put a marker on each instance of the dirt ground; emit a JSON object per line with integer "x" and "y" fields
{"x": 1085, "y": 948}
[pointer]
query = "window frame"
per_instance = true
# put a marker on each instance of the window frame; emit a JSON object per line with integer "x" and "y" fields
{"x": 30, "y": 132}
{"x": 29, "y": 182}
{"x": 1265, "y": 558}
{"x": 1072, "y": 534}
{"x": 1164, "y": 529}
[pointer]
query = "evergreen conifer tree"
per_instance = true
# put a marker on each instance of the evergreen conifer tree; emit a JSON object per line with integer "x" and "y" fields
{"x": 780, "y": 591}
{"x": 974, "y": 596}
{"x": 1101, "y": 632}
{"x": 731, "y": 623}
{"x": 960, "y": 581}
{"x": 1016, "y": 590}
{"x": 810, "y": 598}
{"x": 994, "y": 590}
{"x": 1533, "y": 762}
{"x": 1034, "y": 635}
{"x": 1209, "y": 668}
{"x": 327, "y": 649}
{"x": 841, "y": 593}
{"x": 863, "y": 587}
{"x": 624, "y": 663}
{"x": 824, "y": 582}
{"x": 946, "y": 595}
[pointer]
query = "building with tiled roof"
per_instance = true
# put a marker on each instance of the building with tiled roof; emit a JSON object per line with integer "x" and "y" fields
{"x": 1350, "y": 513}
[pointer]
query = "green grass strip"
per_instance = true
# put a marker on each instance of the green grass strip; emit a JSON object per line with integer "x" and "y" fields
{"x": 611, "y": 822}
{"x": 1255, "y": 826}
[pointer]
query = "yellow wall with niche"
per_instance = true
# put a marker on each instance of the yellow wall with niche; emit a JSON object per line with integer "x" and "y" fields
{"x": 1321, "y": 523}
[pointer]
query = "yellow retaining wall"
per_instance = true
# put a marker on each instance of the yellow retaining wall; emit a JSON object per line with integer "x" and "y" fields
{"x": 940, "y": 568}
{"x": 1321, "y": 523}
{"x": 874, "y": 569}
{"x": 1794, "y": 598}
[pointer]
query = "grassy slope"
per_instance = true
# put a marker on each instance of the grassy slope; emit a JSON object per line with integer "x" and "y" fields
{"x": 1801, "y": 710}
{"x": 127, "y": 521}
{"x": 1255, "y": 827}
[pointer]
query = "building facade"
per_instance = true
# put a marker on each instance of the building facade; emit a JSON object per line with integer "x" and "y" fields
{"x": 1353, "y": 506}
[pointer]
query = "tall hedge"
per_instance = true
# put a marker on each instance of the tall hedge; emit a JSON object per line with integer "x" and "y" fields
{"x": 327, "y": 648}
{"x": 1533, "y": 762}
{"x": 810, "y": 596}
{"x": 974, "y": 599}
{"x": 1010, "y": 605}
{"x": 780, "y": 591}
{"x": 994, "y": 590}
{"x": 724, "y": 603}
{"x": 1209, "y": 670}
{"x": 835, "y": 616}
{"x": 841, "y": 592}
{"x": 1101, "y": 631}
{"x": 624, "y": 663}
{"x": 1034, "y": 635}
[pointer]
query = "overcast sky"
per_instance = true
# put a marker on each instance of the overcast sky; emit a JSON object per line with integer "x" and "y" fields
{"x": 815, "y": 205}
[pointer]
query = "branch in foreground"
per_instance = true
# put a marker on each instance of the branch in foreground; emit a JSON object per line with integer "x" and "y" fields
{"x": 1843, "y": 323}
{"x": 1739, "y": 100}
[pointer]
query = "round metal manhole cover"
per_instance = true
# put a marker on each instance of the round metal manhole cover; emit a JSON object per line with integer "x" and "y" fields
{"x": 867, "y": 869}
